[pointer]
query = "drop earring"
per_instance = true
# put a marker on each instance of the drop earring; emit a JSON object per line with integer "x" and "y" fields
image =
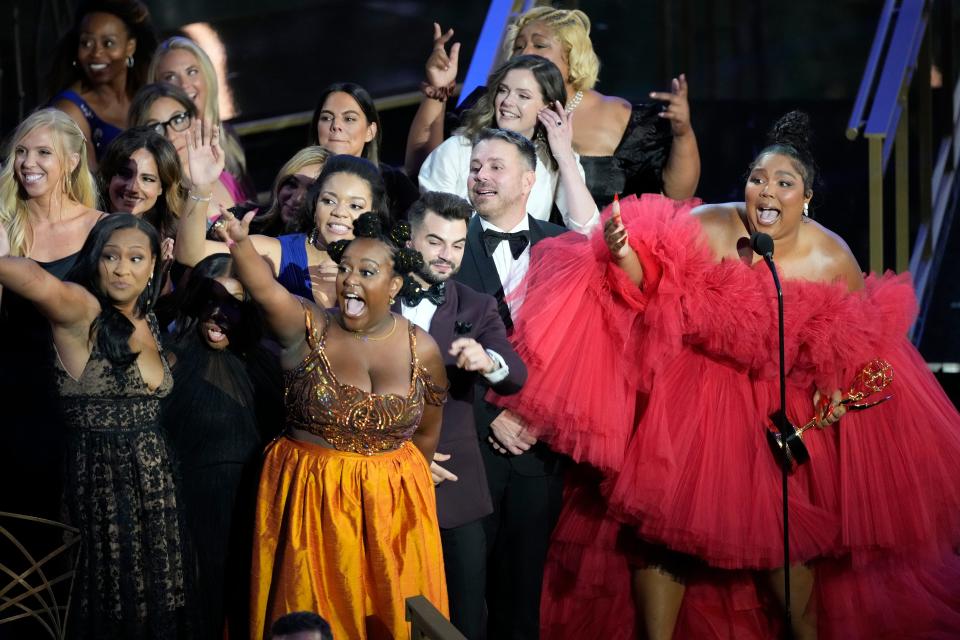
{"x": 806, "y": 209}
{"x": 130, "y": 62}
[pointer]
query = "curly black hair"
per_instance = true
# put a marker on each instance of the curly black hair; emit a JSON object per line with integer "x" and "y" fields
{"x": 791, "y": 136}
{"x": 371, "y": 225}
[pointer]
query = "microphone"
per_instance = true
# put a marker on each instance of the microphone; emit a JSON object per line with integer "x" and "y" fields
{"x": 762, "y": 244}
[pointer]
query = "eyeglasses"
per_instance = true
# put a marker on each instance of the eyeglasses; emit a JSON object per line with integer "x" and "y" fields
{"x": 178, "y": 122}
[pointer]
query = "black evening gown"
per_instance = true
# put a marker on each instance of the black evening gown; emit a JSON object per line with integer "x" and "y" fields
{"x": 31, "y": 449}
{"x": 636, "y": 165}
{"x": 133, "y": 577}
{"x": 223, "y": 408}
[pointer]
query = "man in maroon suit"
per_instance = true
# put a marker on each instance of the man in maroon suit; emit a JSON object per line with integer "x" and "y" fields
{"x": 471, "y": 334}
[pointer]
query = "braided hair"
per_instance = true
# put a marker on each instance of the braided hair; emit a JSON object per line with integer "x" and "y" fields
{"x": 791, "y": 136}
{"x": 371, "y": 225}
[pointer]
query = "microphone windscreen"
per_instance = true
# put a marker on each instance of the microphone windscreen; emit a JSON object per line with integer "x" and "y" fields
{"x": 761, "y": 243}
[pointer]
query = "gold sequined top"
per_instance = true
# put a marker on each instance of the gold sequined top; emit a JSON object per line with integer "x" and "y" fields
{"x": 348, "y": 417}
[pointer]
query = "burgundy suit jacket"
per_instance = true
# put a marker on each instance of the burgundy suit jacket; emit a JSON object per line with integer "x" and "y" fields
{"x": 468, "y": 498}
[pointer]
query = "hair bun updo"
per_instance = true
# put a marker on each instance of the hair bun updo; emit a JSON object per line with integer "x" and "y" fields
{"x": 370, "y": 225}
{"x": 791, "y": 135}
{"x": 792, "y": 129}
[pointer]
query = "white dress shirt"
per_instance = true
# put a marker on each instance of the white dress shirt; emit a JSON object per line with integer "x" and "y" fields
{"x": 422, "y": 315}
{"x": 448, "y": 167}
{"x": 510, "y": 270}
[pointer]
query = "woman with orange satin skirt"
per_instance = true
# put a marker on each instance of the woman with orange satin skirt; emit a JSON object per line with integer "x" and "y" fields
{"x": 346, "y": 535}
{"x": 346, "y": 518}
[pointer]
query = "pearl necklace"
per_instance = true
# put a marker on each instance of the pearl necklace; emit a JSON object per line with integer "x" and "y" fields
{"x": 574, "y": 102}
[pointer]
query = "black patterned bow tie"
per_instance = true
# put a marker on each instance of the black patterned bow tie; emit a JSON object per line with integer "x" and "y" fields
{"x": 518, "y": 241}
{"x": 437, "y": 294}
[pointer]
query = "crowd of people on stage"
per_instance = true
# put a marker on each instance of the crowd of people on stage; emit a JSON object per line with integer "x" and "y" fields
{"x": 526, "y": 375}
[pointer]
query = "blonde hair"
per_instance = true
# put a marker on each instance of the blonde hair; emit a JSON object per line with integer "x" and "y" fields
{"x": 572, "y": 28}
{"x": 270, "y": 223}
{"x": 78, "y": 185}
{"x": 236, "y": 159}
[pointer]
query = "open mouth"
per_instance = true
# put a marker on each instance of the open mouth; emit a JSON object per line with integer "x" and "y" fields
{"x": 508, "y": 115}
{"x": 214, "y": 333}
{"x": 767, "y": 215}
{"x": 32, "y": 178}
{"x": 353, "y": 305}
{"x": 97, "y": 67}
{"x": 484, "y": 192}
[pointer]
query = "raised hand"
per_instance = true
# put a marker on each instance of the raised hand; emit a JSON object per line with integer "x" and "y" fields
{"x": 615, "y": 234}
{"x": 676, "y": 107}
{"x": 230, "y": 229}
{"x": 442, "y": 67}
{"x": 558, "y": 125}
{"x": 205, "y": 157}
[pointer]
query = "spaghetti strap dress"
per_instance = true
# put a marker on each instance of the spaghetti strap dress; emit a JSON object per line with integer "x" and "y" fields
{"x": 349, "y": 532}
{"x": 132, "y": 580}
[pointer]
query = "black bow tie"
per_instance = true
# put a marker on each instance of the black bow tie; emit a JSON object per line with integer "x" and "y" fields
{"x": 518, "y": 241}
{"x": 437, "y": 294}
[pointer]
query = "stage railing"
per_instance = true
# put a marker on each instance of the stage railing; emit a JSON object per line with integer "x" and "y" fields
{"x": 427, "y": 623}
{"x": 897, "y": 79}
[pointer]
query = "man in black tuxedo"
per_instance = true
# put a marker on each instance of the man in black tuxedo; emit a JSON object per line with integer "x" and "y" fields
{"x": 471, "y": 335}
{"x": 525, "y": 477}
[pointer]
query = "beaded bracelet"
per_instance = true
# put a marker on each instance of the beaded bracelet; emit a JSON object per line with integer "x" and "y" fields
{"x": 438, "y": 93}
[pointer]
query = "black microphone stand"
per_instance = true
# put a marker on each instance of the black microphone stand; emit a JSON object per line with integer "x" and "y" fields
{"x": 763, "y": 245}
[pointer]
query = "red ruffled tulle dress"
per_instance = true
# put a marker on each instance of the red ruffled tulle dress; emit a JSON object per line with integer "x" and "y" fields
{"x": 664, "y": 392}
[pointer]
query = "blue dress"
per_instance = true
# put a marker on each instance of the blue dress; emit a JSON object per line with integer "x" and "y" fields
{"x": 294, "y": 272}
{"x": 101, "y": 131}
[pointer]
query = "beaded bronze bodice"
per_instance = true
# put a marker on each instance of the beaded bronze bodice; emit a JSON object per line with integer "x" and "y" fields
{"x": 348, "y": 417}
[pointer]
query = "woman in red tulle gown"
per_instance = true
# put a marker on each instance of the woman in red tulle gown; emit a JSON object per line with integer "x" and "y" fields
{"x": 654, "y": 347}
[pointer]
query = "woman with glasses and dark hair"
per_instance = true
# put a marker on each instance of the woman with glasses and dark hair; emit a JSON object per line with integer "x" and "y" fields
{"x": 110, "y": 372}
{"x": 346, "y": 122}
{"x": 170, "y": 111}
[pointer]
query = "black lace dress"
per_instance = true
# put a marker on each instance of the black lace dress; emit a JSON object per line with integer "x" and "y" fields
{"x": 119, "y": 491}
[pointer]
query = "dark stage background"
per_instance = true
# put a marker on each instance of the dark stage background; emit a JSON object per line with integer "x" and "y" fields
{"x": 747, "y": 62}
